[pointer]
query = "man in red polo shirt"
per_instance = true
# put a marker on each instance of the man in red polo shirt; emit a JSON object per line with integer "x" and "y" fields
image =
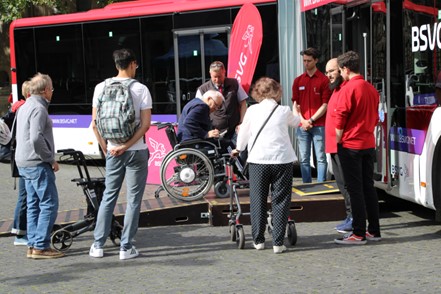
{"x": 311, "y": 92}
{"x": 336, "y": 82}
{"x": 356, "y": 116}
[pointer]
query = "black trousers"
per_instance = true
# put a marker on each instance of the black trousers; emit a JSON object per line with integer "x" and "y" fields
{"x": 340, "y": 180}
{"x": 358, "y": 171}
{"x": 276, "y": 180}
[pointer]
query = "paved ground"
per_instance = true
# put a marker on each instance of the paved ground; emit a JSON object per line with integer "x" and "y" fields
{"x": 202, "y": 259}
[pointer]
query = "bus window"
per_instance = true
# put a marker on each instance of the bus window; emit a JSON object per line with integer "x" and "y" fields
{"x": 158, "y": 63}
{"x": 59, "y": 52}
{"x": 100, "y": 40}
{"x": 378, "y": 68}
{"x": 421, "y": 60}
{"x": 25, "y": 51}
{"x": 317, "y": 24}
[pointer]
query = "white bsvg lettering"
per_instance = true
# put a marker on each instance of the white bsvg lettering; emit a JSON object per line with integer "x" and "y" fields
{"x": 425, "y": 37}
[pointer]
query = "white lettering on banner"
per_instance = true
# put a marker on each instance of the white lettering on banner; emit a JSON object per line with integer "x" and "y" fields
{"x": 310, "y": 2}
{"x": 248, "y": 37}
{"x": 307, "y": 3}
{"x": 403, "y": 139}
{"x": 70, "y": 121}
{"x": 425, "y": 37}
{"x": 159, "y": 152}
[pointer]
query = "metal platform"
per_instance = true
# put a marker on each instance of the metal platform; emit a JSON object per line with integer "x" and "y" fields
{"x": 164, "y": 211}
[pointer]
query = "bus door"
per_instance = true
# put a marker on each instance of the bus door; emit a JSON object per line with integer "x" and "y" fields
{"x": 195, "y": 49}
{"x": 362, "y": 28}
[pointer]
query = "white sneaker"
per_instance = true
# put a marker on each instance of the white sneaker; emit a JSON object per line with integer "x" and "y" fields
{"x": 259, "y": 246}
{"x": 96, "y": 252}
{"x": 279, "y": 249}
{"x": 23, "y": 241}
{"x": 127, "y": 254}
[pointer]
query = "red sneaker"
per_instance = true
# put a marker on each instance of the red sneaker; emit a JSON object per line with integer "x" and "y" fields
{"x": 351, "y": 239}
{"x": 371, "y": 237}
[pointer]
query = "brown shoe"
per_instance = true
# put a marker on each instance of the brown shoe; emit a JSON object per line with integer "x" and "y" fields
{"x": 29, "y": 252}
{"x": 46, "y": 253}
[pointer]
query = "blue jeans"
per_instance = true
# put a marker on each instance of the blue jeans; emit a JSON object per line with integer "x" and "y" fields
{"x": 42, "y": 202}
{"x": 20, "y": 219}
{"x": 305, "y": 138}
{"x": 131, "y": 165}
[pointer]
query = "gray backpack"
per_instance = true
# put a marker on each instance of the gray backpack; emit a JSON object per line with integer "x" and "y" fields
{"x": 115, "y": 116}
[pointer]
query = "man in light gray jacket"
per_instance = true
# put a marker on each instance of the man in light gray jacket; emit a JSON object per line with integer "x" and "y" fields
{"x": 35, "y": 158}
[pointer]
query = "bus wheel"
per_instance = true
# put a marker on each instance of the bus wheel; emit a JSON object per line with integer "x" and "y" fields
{"x": 436, "y": 181}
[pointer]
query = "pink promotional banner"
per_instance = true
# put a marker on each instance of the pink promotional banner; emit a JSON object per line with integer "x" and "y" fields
{"x": 159, "y": 147}
{"x": 246, "y": 39}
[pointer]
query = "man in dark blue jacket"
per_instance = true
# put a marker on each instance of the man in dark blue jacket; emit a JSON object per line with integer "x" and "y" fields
{"x": 194, "y": 122}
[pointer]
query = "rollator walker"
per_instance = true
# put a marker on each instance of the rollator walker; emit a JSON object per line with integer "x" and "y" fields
{"x": 93, "y": 188}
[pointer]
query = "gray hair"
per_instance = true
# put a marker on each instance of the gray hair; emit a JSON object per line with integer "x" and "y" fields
{"x": 39, "y": 83}
{"x": 214, "y": 95}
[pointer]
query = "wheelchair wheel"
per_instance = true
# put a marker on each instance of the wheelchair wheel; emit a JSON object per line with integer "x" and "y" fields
{"x": 116, "y": 232}
{"x": 187, "y": 174}
{"x": 221, "y": 189}
{"x": 61, "y": 240}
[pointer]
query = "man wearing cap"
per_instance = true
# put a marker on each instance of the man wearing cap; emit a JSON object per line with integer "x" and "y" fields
{"x": 230, "y": 115}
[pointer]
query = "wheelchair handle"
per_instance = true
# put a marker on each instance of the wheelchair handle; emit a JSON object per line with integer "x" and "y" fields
{"x": 66, "y": 151}
{"x": 161, "y": 125}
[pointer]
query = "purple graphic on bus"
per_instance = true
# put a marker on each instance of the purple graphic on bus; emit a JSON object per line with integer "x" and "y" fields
{"x": 71, "y": 121}
{"x": 84, "y": 120}
{"x": 407, "y": 140}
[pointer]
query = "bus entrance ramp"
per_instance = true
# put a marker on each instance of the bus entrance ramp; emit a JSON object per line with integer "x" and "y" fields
{"x": 309, "y": 203}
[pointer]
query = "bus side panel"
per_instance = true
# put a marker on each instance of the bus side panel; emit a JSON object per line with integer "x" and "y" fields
{"x": 75, "y": 131}
{"x": 402, "y": 168}
{"x": 432, "y": 139}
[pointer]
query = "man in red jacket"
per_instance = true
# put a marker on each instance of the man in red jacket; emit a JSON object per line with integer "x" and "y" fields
{"x": 336, "y": 82}
{"x": 356, "y": 116}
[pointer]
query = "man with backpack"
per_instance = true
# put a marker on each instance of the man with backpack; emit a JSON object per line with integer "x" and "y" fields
{"x": 121, "y": 116}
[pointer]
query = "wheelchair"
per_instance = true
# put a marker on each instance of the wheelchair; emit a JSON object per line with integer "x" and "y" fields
{"x": 190, "y": 170}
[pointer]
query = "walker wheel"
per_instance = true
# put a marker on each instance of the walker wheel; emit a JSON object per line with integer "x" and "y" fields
{"x": 292, "y": 233}
{"x": 61, "y": 240}
{"x": 233, "y": 232}
{"x": 222, "y": 190}
{"x": 270, "y": 230}
{"x": 240, "y": 237}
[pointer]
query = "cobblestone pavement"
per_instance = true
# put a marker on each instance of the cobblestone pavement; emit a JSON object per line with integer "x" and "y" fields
{"x": 202, "y": 259}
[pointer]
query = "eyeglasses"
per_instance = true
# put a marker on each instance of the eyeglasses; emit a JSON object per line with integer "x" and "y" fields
{"x": 217, "y": 105}
{"x": 331, "y": 71}
{"x": 217, "y": 64}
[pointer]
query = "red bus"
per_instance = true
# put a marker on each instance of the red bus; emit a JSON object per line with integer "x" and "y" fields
{"x": 175, "y": 42}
